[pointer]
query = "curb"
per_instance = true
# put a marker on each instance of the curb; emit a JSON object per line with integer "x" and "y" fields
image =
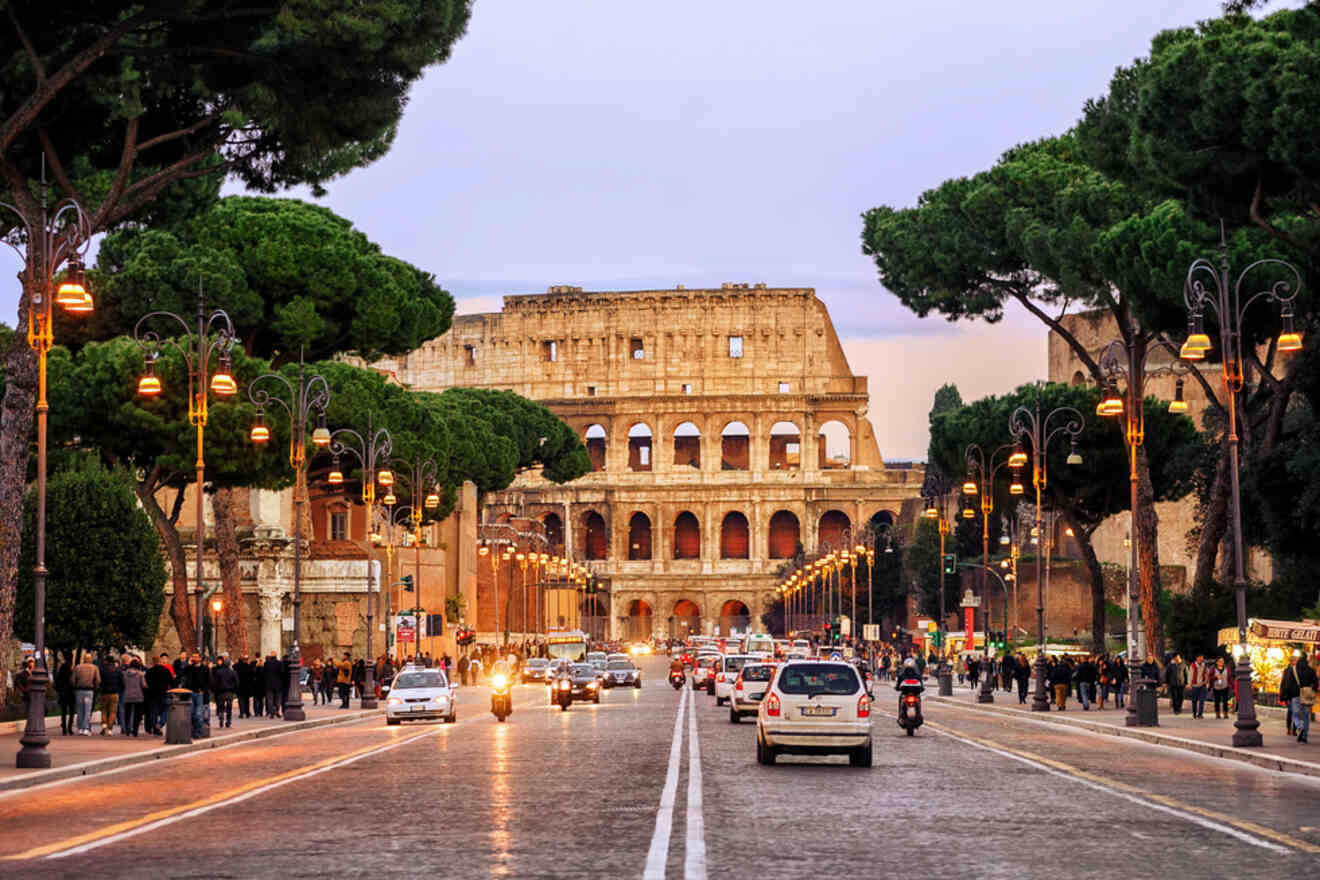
{"x": 101, "y": 765}
{"x": 1246, "y": 756}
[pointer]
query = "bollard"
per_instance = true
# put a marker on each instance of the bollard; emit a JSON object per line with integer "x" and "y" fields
{"x": 946, "y": 680}
{"x": 178, "y": 718}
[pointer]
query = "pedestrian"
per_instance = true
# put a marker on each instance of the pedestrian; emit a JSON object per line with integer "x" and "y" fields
{"x": 196, "y": 678}
{"x": 1220, "y": 681}
{"x": 1007, "y": 671}
{"x": 973, "y": 671}
{"x": 345, "y": 680}
{"x": 246, "y": 673}
{"x": 359, "y": 677}
{"x": 1297, "y": 691}
{"x": 64, "y": 694}
{"x": 23, "y": 680}
{"x": 133, "y": 697}
{"x": 329, "y": 674}
{"x": 159, "y": 678}
{"x": 1086, "y": 676}
{"x": 1198, "y": 685}
{"x": 463, "y": 670}
{"x": 1118, "y": 678}
{"x": 272, "y": 679}
{"x": 224, "y": 684}
{"x": 180, "y": 664}
{"x": 1175, "y": 678}
{"x": 1022, "y": 675}
{"x": 314, "y": 679}
{"x": 112, "y": 685}
{"x": 1061, "y": 679}
{"x": 86, "y": 679}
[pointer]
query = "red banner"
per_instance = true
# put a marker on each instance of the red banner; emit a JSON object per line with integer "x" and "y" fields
{"x": 969, "y": 620}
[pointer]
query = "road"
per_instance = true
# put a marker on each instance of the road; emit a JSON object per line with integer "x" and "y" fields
{"x": 609, "y": 791}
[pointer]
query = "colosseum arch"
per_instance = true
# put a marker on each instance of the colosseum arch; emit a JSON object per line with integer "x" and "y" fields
{"x": 785, "y": 533}
{"x": 687, "y": 536}
{"x": 735, "y": 447}
{"x": 554, "y": 532}
{"x": 595, "y": 536}
{"x": 785, "y": 447}
{"x": 834, "y": 529}
{"x": 834, "y": 446}
{"x": 686, "y": 619}
{"x": 735, "y": 536}
{"x": 640, "y": 447}
{"x": 594, "y": 438}
{"x": 639, "y": 624}
{"x": 687, "y": 446}
{"x": 639, "y": 536}
{"x": 735, "y": 614}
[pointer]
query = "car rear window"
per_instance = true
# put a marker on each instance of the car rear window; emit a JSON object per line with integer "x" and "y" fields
{"x": 757, "y": 673}
{"x": 620, "y": 664}
{"x": 733, "y": 664}
{"x": 824, "y": 678}
{"x": 538, "y": 661}
{"x": 409, "y": 680}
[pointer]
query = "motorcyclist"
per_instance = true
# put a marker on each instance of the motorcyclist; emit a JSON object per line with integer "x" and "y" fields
{"x": 909, "y": 671}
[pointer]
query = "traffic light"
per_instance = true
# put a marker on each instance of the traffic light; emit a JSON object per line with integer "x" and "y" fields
{"x": 950, "y": 563}
{"x": 407, "y": 583}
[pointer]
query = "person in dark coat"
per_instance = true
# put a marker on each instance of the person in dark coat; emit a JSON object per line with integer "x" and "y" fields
{"x": 246, "y": 673}
{"x": 359, "y": 677}
{"x": 159, "y": 678}
{"x": 197, "y": 678}
{"x": 224, "y": 684}
{"x": 329, "y": 674}
{"x": 1022, "y": 675}
{"x": 1061, "y": 679}
{"x": 272, "y": 677}
{"x": 1086, "y": 676}
{"x": 64, "y": 694}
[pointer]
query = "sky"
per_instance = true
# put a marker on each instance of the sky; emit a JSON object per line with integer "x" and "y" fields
{"x": 615, "y": 145}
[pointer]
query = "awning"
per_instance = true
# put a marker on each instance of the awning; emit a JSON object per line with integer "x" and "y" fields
{"x": 1259, "y": 629}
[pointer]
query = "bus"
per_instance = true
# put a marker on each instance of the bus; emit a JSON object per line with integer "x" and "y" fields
{"x": 567, "y": 644}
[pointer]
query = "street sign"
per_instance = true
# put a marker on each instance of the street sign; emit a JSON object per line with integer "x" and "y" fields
{"x": 836, "y": 656}
{"x": 871, "y": 632}
{"x": 845, "y": 625}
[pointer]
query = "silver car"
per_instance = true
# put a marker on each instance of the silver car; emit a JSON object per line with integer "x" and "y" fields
{"x": 418, "y": 692}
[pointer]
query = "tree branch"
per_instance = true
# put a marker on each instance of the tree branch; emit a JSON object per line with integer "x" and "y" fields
{"x": 1078, "y": 349}
{"x": 127, "y": 156}
{"x": 37, "y": 66}
{"x": 1257, "y": 200}
{"x": 56, "y": 166}
{"x": 175, "y": 135}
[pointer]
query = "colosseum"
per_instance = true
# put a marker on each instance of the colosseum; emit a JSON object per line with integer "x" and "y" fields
{"x": 724, "y": 425}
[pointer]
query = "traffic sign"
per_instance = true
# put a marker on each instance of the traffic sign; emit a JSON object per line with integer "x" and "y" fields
{"x": 871, "y": 632}
{"x": 836, "y": 656}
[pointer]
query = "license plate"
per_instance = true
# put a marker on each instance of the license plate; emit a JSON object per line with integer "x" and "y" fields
{"x": 417, "y": 708}
{"x": 819, "y": 711}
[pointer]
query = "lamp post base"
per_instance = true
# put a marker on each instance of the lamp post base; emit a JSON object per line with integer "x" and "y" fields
{"x": 946, "y": 680}
{"x": 1040, "y": 701}
{"x": 369, "y": 687}
{"x": 34, "y": 755}
{"x": 1247, "y": 733}
{"x": 293, "y": 704}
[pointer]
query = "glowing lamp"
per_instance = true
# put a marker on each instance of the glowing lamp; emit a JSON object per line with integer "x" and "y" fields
{"x": 385, "y": 477}
{"x": 1015, "y": 488}
{"x": 968, "y": 513}
{"x": 72, "y": 291}
{"x": 82, "y": 306}
{"x": 321, "y": 436}
{"x": 432, "y": 500}
{"x": 259, "y": 433}
{"x": 1290, "y": 342}
{"x": 1178, "y": 405}
{"x": 223, "y": 384}
{"x": 1018, "y": 458}
{"x": 389, "y": 500}
{"x": 149, "y": 385}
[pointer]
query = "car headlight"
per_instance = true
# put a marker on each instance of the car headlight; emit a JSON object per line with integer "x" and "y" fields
{"x": 395, "y": 701}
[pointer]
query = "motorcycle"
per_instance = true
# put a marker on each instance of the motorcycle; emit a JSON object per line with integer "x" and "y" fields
{"x": 676, "y": 678}
{"x": 563, "y": 693}
{"x": 501, "y": 700}
{"x": 909, "y": 704}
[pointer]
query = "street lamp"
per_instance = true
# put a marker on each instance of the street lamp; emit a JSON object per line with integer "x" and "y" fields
{"x": 214, "y": 338}
{"x": 63, "y": 236}
{"x": 301, "y": 401}
{"x": 945, "y": 672}
{"x": 420, "y": 477}
{"x": 217, "y": 605}
{"x": 1032, "y": 429}
{"x": 1226, "y": 302}
{"x": 981, "y": 481}
{"x": 371, "y": 450}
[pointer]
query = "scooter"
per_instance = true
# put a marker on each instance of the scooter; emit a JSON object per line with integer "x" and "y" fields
{"x": 563, "y": 693}
{"x": 909, "y": 704}
{"x": 676, "y": 678}
{"x": 501, "y": 700}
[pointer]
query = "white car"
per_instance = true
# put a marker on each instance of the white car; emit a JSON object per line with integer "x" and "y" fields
{"x": 418, "y": 692}
{"x": 815, "y": 707}
{"x": 702, "y": 669}
{"x": 749, "y": 689}
{"x": 726, "y": 672}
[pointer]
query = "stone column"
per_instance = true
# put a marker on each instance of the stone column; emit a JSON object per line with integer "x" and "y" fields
{"x": 271, "y": 604}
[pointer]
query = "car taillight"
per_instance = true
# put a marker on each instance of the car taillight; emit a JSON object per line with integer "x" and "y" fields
{"x": 737, "y": 686}
{"x": 772, "y": 706}
{"x": 863, "y": 706}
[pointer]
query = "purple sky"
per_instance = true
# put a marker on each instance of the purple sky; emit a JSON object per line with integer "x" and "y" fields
{"x": 615, "y": 145}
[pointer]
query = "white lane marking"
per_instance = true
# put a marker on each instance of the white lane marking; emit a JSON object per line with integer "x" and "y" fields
{"x": 694, "y": 865}
{"x": 658, "y": 854}
{"x": 1190, "y": 817}
{"x": 170, "y": 820}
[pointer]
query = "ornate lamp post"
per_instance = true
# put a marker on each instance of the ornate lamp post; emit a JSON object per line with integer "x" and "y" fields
{"x": 981, "y": 481}
{"x": 1032, "y": 429}
{"x": 302, "y": 401}
{"x": 213, "y": 339}
{"x": 1208, "y": 287}
{"x": 371, "y": 450}
{"x": 63, "y": 236}
{"x": 945, "y": 672}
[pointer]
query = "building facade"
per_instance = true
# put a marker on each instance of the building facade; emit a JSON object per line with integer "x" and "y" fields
{"x": 725, "y": 429}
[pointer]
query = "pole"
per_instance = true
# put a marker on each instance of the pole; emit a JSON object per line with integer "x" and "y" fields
{"x": 368, "y": 700}
{"x": 1247, "y": 728}
{"x": 1040, "y": 701}
{"x": 293, "y": 706}
{"x": 945, "y": 670}
{"x": 987, "y": 694}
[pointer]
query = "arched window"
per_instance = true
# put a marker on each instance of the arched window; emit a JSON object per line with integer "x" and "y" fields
{"x": 596, "y": 538}
{"x": 735, "y": 447}
{"x": 734, "y": 536}
{"x": 687, "y": 536}
{"x": 784, "y": 534}
{"x": 639, "y": 620}
{"x": 833, "y": 530}
{"x": 686, "y": 620}
{"x": 687, "y": 446}
{"x": 639, "y": 447}
{"x": 639, "y": 536}
{"x": 785, "y": 447}
{"x": 834, "y": 446}
{"x": 734, "y": 617}
{"x": 595, "y": 441}
{"x": 554, "y": 532}
{"x": 1078, "y": 379}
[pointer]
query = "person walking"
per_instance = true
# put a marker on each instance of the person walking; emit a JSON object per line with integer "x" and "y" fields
{"x": 1198, "y": 685}
{"x": 134, "y": 696}
{"x": 86, "y": 679}
{"x": 1086, "y": 676}
{"x": 64, "y": 695}
{"x": 1297, "y": 692}
{"x": 359, "y": 677}
{"x": 329, "y": 674}
{"x": 246, "y": 672}
{"x": 1061, "y": 679}
{"x": 224, "y": 684}
{"x": 1175, "y": 678}
{"x": 159, "y": 678}
{"x": 463, "y": 670}
{"x": 314, "y": 680}
{"x": 1022, "y": 675}
{"x": 112, "y": 685}
{"x": 196, "y": 678}
{"x": 1221, "y": 678}
{"x": 345, "y": 680}
{"x": 272, "y": 675}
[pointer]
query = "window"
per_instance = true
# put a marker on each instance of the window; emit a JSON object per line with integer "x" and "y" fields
{"x": 687, "y": 388}
{"x": 818, "y": 678}
{"x": 783, "y": 387}
{"x": 735, "y": 346}
{"x": 339, "y": 525}
{"x": 644, "y": 454}
{"x": 470, "y": 354}
{"x": 636, "y": 347}
{"x": 591, "y": 391}
{"x": 550, "y": 351}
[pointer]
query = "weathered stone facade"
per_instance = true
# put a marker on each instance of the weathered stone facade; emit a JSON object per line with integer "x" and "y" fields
{"x": 724, "y": 424}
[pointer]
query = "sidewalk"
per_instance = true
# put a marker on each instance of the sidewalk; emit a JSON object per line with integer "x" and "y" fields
{"x": 1208, "y": 736}
{"x": 86, "y": 755}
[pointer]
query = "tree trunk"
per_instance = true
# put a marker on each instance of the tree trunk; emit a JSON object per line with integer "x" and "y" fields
{"x": 1099, "y": 617}
{"x": 227, "y": 553}
{"x": 17, "y": 414}
{"x": 1148, "y": 557}
{"x": 180, "y": 609}
{"x": 1214, "y": 524}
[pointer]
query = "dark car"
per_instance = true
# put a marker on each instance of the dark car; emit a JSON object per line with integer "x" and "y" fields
{"x": 534, "y": 669}
{"x": 585, "y": 683}
{"x": 622, "y": 673}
